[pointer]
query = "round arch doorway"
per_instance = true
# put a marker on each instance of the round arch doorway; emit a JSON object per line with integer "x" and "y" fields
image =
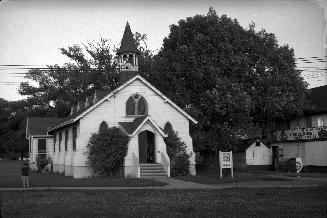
{"x": 146, "y": 147}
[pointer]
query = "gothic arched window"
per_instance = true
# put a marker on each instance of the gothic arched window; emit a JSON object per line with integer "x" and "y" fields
{"x": 103, "y": 126}
{"x": 168, "y": 127}
{"x": 136, "y": 105}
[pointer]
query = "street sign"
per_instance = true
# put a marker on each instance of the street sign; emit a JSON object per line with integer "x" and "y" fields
{"x": 225, "y": 161}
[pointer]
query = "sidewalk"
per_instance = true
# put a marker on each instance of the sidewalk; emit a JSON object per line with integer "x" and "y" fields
{"x": 179, "y": 184}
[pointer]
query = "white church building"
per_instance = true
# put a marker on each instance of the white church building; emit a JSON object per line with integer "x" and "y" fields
{"x": 136, "y": 107}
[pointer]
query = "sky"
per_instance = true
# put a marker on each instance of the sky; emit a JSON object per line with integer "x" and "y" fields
{"x": 31, "y": 32}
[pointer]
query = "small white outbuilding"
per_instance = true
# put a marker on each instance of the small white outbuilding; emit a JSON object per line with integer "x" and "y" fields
{"x": 258, "y": 154}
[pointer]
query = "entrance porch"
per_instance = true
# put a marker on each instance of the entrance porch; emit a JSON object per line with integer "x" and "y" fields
{"x": 147, "y": 155}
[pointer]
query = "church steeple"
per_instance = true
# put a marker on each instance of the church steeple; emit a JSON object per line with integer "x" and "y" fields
{"x": 128, "y": 54}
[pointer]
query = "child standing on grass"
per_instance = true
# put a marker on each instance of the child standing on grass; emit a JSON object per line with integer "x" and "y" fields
{"x": 25, "y": 174}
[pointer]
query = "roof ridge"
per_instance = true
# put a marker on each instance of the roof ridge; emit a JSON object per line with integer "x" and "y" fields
{"x": 123, "y": 86}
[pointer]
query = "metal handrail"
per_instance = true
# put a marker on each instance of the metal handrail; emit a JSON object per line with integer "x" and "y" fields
{"x": 166, "y": 163}
{"x": 137, "y": 164}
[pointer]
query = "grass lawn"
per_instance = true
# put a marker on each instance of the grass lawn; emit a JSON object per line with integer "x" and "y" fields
{"x": 237, "y": 202}
{"x": 211, "y": 177}
{"x": 10, "y": 172}
{"x": 238, "y": 177}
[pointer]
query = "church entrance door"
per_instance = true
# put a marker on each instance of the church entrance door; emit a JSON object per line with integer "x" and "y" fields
{"x": 146, "y": 147}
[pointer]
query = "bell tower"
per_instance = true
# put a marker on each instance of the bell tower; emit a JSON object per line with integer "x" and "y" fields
{"x": 127, "y": 56}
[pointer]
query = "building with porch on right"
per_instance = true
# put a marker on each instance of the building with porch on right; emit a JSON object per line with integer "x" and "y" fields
{"x": 306, "y": 136}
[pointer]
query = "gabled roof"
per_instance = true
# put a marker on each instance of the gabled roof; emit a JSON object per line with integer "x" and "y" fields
{"x": 131, "y": 128}
{"x": 80, "y": 114}
{"x": 39, "y": 125}
{"x": 247, "y": 143}
{"x": 127, "y": 42}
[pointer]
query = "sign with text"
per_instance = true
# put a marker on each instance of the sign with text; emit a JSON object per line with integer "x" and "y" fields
{"x": 225, "y": 161}
{"x": 302, "y": 134}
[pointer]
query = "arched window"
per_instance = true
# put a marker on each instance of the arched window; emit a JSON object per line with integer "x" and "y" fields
{"x": 130, "y": 106}
{"x": 168, "y": 127}
{"x": 103, "y": 126}
{"x": 141, "y": 106}
{"x": 136, "y": 105}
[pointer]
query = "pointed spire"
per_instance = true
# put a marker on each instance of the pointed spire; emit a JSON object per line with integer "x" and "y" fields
{"x": 127, "y": 43}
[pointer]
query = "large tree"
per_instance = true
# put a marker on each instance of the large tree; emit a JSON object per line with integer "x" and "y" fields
{"x": 230, "y": 78}
{"x": 12, "y": 128}
{"x": 92, "y": 67}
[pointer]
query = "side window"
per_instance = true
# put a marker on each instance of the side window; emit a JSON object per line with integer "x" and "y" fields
{"x": 308, "y": 122}
{"x": 103, "y": 126}
{"x": 54, "y": 142}
{"x": 60, "y": 138}
{"x": 168, "y": 127}
{"x": 66, "y": 139}
{"x": 322, "y": 121}
{"x": 74, "y": 137}
{"x": 42, "y": 146}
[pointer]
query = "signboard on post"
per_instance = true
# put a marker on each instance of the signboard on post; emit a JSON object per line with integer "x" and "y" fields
{"x": 225, "y": 161}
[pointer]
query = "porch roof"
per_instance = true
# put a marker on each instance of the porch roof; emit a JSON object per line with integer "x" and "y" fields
{"x": 131, "y": 128}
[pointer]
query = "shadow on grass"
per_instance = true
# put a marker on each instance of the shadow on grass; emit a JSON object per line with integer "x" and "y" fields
{"x": 10, "y": 177}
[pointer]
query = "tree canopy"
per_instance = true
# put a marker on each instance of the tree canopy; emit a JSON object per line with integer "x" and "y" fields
{"x": 231, "y": 79}
{"x": 59, "y": 86}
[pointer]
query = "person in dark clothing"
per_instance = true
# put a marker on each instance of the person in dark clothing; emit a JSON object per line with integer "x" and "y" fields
{"x": 25, "y": 175}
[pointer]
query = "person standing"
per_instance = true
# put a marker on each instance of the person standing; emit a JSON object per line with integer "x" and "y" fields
{"x": 25, "y": 175}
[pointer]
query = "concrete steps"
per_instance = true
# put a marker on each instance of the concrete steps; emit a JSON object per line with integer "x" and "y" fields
{"x": 152, "y": 170}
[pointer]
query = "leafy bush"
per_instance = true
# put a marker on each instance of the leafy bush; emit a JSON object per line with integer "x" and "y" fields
{"x": 180, "y": 165}
{"x": 107, "y": 150}
{"x": 176, "y": 150}
{"x": 41, "y": 163}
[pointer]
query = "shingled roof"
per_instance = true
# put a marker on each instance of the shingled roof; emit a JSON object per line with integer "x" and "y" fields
{"x": 127, "y": 43}
{"x": 75, "y": 117}
{"x": 39, "y": 125}
{"x": 130, "y": 127}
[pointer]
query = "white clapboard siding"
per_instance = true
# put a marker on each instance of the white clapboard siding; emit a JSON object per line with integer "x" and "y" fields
{"x": 258, "y": 155}
{"x": 69, "y": 154}
{"x": 50, "y": 147}
{"x": 113, "y": 111}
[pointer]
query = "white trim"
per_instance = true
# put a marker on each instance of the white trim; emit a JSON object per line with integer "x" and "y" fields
{"x": 166, "y": 99}
{"x": 148, "y": 118}
{"x": 121, "y": 128}
{"x": 41, "y": 136}
{"x": 62, "y": 124}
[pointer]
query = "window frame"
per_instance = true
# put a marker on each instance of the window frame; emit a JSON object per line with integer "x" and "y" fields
{"x": 38, "y": 146}
{"x": 54, "y": 142}
{"x": 66, "y": 139}
{"x": 60, "y": 139}
{"x": 74, "y": 137}
{"x": 136, "y": 106}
